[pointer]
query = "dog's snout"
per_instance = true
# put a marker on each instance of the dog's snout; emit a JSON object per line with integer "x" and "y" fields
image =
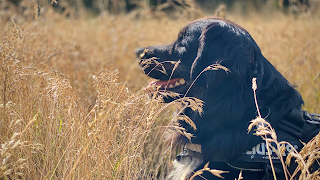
{"x": 184, "y": 159}
{"x": 178, "y": 158}
{"x": 146, "y": 54}
{"x": 161, "y": 51}
{"x": 143, "y": 53}
{"x": 140, "y": 52}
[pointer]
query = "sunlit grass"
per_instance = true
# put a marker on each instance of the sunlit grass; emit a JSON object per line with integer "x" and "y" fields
{"x": 71, "y": 104}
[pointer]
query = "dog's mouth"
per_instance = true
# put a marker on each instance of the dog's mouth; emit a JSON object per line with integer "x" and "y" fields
{"x": 169, "y": 85}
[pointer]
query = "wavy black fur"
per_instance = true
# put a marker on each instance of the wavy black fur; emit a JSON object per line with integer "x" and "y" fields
{"x": 228, "y": 97}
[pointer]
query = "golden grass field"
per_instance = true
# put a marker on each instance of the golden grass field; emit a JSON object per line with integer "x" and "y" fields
{"x": 71, "y": 104}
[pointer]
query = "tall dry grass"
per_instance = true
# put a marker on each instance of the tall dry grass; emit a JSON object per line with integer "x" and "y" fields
{"x": 71, "y": 104}
{"x": 48, "y": 133}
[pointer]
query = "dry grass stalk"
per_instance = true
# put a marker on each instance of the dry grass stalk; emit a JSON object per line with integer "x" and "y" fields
{"x": 212, "y": 171}
{"x": 212, "y": 67}
{"x": 305, "y": 158}
{"x": 57, "y": 121}
{"x": 240, "y": 176}
{"x": 309, "y": 155}
{"x": 268, "y": 134}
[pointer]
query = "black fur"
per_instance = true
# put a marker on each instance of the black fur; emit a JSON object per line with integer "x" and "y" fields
{"x": 228, "y": 96}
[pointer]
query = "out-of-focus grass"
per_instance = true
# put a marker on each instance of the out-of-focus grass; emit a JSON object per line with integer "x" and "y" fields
{"x": 66, "y": 113}
{"x": 47, "y": 132}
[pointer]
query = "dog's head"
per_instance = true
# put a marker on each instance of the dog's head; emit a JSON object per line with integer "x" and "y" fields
{"x": 215, "y": 60}
{"x": 204, "y": 51}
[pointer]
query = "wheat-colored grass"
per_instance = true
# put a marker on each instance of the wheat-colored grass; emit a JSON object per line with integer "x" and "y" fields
{"x": 71, "y": 104}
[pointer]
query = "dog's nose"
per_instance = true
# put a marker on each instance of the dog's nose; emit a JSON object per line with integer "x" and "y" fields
{"x": 140, "y": 52}
{"x": 178, "y": 158}
{"x": 184, "y": 159}
{"x": 147, "y": 53}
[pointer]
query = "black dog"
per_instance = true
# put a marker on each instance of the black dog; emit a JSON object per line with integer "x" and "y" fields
{"x": 221, "y": 131}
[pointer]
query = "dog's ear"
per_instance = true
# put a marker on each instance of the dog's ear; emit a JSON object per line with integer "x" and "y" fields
{"x": 225, "y": 44}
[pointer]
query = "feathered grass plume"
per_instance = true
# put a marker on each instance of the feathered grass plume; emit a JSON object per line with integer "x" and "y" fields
{"x": 66, "y": 113}
{"x": 268, "y": 134}
{"x": 212, "y": 171}
{"x": 305, "y": 158}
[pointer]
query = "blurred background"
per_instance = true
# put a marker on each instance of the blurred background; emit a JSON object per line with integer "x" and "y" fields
{"x": 91, "y": 35}
{"x": 171, "y": 8}
{"x": 71, "y": 99}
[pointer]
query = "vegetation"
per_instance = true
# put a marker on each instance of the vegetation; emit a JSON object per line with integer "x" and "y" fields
{"x": 72, "y": 104}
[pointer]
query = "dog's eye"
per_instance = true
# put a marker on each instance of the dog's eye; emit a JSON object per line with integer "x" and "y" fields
{"x": 180, "y": 48}
{"x": 181, "y": 33}
{"x": 179, "y": 44}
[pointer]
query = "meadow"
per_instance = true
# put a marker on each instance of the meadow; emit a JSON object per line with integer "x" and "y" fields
{"x": 72, "y": 104}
